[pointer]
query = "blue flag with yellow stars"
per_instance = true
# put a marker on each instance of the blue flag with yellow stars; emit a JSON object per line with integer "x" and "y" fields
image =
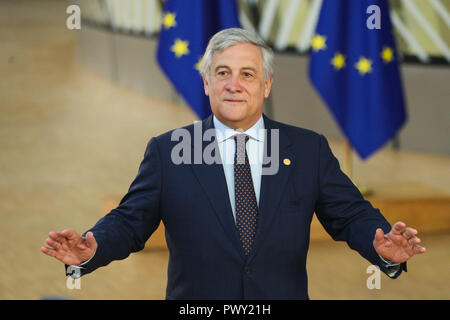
{"x": 354, "y": 67}
{"x": 187, "y": 26}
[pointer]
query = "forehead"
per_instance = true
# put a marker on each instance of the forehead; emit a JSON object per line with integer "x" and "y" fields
{"x": 238, "y": 55}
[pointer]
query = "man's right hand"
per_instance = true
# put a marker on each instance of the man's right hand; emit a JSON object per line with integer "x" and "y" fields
{"x": 69, "y": 247}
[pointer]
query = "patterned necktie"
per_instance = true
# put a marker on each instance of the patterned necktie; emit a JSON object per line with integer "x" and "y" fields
{"x": 245, "y": 198}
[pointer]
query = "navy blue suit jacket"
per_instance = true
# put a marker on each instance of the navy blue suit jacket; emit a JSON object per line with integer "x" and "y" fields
{"x": 206, "y": 259}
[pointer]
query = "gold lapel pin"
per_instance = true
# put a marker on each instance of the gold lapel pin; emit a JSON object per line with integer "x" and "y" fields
{"x": 286, "y": 161}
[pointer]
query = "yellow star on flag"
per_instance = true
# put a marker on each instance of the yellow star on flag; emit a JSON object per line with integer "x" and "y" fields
{"x": 364, "y": 65}
{"x": 169, "y": 20}
{"x": 198, "y": 65}
{"x": 180, "y": 48}
{"x": 338, "y": 61}
{"x": 318, "y": 42}
{"x": 387, "y": 54}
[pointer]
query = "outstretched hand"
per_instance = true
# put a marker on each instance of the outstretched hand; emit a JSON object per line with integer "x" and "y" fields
{"x": 399, "y": 245}
{"x": 69, "y": 247}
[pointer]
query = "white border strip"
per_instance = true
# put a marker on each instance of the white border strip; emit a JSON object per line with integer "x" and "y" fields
{"x": 289, "y": 16}
{"x": 151, "y": 23}
{"x": 410, "y": 40}
{"x": 245, "y": 21}
{"x": 428, "y": 29}
{"x": 437, "y": 5}
{"x": 268, "y": 15}
{"x": 114, "y": 9}
{"x": 126, "y": 15}
{"x": 137, "y": 16}
{"x": 309, "y": 28}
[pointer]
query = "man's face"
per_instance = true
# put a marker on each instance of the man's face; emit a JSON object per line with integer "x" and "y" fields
{"x": 236, "y": 86}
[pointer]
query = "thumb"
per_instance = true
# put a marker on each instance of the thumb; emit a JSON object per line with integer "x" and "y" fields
{"x": 90, "y": 240}
{"x": 379, "y": 236}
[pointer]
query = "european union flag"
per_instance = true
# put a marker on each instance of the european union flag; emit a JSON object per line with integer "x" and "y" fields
{"x": 186, "y": 29}
{"x": 354, "y": 67}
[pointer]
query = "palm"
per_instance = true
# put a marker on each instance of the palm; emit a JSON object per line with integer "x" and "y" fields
{"x": 70, "y": 248}
{"x": 399, "y": 245}
{"x": 395, "y": 248}
{"x": 73, "y": 252}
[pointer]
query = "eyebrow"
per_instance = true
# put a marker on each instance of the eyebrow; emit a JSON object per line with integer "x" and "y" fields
{"x": 227, "y": 67}
{"x": 221, "y": 66}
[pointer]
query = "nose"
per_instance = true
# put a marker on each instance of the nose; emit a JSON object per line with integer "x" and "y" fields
{"x": 234, "y": 84}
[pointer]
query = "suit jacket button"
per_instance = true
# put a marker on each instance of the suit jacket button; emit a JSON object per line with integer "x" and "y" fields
{"x": 247, "y": 270}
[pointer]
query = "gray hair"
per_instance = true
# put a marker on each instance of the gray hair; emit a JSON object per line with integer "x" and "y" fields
{"x": 233, "y": 36}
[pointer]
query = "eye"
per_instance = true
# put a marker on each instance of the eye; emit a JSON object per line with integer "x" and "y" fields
{"x": 247, "y": 75}
{"x": 222, "y": 73}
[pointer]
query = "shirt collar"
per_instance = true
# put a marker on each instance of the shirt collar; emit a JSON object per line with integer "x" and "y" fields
{"x": 224, "y": 132}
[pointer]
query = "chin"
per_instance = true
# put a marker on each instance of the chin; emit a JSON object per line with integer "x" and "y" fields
{"x": 230, "y": 119}
{"x": 234, "y": 113}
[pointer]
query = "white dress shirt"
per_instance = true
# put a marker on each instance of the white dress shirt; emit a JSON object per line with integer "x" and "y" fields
{"x": 255, "y": 151}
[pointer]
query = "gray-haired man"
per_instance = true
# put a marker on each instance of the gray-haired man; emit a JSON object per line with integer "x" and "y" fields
{"x": 233, "y": 232}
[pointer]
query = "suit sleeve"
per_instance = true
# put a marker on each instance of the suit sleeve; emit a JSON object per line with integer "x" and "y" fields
{"x": 126, "y": 229}
{"x": 343, "y": 211}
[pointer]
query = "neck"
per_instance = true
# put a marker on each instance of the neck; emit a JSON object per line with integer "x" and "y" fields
{"x": 239, "y": 125}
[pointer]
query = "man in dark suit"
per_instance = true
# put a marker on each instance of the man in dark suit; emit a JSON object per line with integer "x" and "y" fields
{"x": 238, "y": 220}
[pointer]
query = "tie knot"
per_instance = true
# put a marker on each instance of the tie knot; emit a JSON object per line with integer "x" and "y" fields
{"x": 241, "y": 139}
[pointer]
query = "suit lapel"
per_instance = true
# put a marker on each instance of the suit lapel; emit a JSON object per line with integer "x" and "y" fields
{"x": 212, "y": 179}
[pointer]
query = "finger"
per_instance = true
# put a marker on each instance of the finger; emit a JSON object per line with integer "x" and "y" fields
{"x": 398, "y": 228}
{"x": 419, "y": 249}
{"x": 55, "y": 236}
{"x": 409, "y": 233}
{"x": 54, "y": 244}
{"x": 414, "y": 241}
{"x": 49, "y": 251}
{"x": 69, "y": 234}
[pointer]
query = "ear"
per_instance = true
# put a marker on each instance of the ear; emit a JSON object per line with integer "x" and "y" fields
{"x": 205, "y": 84}
{"x": 267, "y": 87}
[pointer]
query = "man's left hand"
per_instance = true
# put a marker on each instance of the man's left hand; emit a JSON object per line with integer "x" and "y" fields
{"x": 399, "y": 245}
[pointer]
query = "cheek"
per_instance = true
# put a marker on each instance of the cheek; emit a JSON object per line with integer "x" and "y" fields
{"x": 215, "y": 89}
{"x": 215, "y": 94}
{"x": 256, "y": 94}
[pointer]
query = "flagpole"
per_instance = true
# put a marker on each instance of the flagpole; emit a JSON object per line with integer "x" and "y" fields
{"x": 348, "y": 168}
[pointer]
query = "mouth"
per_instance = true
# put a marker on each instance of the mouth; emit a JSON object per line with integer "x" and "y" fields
{"x": 234, "y": 100}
